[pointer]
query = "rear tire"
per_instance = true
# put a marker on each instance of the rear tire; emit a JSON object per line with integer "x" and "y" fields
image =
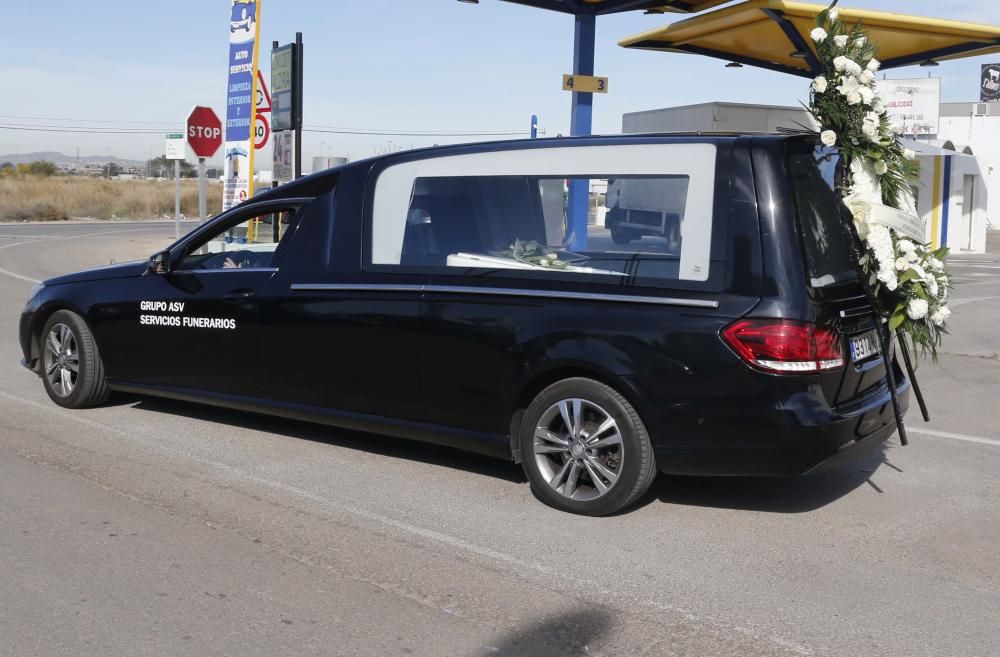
{"x": 585, "y": 449}
{"x": 71, "y": 367}
{"x": 621, "y": 235}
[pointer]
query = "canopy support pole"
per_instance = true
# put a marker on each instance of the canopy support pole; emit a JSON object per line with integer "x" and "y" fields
{"x": 581, "y": 124}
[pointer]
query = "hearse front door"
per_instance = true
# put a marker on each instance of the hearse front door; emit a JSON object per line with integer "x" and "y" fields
{"x": 195, "y": 326}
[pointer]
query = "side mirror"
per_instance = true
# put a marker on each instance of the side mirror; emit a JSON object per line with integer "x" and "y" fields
{"x": 159, "y": 263}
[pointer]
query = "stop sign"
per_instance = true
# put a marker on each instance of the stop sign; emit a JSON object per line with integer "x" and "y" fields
{"x": 204, "y": 131}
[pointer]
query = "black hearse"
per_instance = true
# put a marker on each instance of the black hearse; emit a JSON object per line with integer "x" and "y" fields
{"x": 441, "y": 295}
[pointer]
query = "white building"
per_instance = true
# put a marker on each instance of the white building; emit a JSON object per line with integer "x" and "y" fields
{"x": 955, "y": 181}
{"x": 951, "y": 195}
{"x": 977, "y": 125}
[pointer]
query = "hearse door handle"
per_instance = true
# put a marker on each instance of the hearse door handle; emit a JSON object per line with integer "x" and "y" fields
{"x": 236, "y": 296}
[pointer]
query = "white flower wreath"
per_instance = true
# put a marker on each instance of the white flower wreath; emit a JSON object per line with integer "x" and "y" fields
{"x": 908, "y": 277}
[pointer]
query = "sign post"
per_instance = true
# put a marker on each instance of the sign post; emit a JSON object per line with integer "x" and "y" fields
{"x": 177, "y": 199}
{"x": 175, "y": 151}
{"x": 286, "y": 106}
{"x": 204, "y": 134}
{"x": 241, "y": 101}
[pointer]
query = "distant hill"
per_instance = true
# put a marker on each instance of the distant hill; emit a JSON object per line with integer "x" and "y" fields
{"x": 61, "y": 158}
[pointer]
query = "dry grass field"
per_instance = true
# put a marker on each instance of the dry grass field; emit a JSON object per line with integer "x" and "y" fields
{"x": 55, "y": 198}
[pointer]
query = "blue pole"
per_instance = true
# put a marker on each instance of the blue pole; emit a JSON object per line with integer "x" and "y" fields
{"x": 946, "y": 200}
{"x": 534, "y": 127}
{"x": 581, "y": 123}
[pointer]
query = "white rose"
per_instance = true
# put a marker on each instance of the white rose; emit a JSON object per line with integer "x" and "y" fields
{"x": 908, "y": 154}
{"x": 874, "y": 65}
{"x": 917, "y": 309}
{"x": 867, "y": 95}
{"x": 552, "y": 256}
{"x": 861, "y": 42}
{"x": 862, "y": 227}
{"x": 866, "y": 77}
{"x": 901, "y": 264}
{"x": 941, "y": 315}
{"x": 828, "y": 137}
{"x": 854, "y": 98}
{"x": 818, "y": 35}
{"x": 881, "y": 168}
{"x": 868, "y": 128}
{"x": 840, "y": 40}
{"x": 820, "y": 84}
{"x": 912, "y": 256}
{"x": 888, "y": 278}
{"x": 905, "y": 246}
{"x": 848, "y": 84}
{"x": 840, "y": 63}
{"x": 853, "y": 67}
{"x": 543, "y": 262}
{"x": 833, "y": 14}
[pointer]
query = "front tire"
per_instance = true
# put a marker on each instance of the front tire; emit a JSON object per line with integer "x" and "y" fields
{"x": 71, "y": 367}
{"x": 585, "y": 449}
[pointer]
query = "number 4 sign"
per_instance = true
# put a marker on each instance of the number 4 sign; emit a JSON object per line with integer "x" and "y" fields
{"x": 585, "y": 84}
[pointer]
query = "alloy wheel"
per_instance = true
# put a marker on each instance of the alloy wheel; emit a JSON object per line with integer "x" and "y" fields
{"x": 578, "y": 449}
{"x": 61, "y": 360}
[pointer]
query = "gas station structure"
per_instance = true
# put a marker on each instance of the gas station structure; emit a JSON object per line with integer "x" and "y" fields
{"x": 770, "y": 34}
{"x": 774, "y": 34}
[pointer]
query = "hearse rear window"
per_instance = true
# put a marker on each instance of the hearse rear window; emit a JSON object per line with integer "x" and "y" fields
{"x": 821, "y": 217}
{"x": 648, "y": 218}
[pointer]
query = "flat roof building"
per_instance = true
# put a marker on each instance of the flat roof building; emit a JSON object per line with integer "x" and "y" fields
{"x": 959, "y": 185}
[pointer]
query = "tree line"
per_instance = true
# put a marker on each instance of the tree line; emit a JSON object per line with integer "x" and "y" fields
{"x": 159, "y": 167}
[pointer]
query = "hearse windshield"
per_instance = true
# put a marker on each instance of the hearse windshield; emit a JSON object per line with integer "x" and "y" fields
{"x": 822, "y": 216}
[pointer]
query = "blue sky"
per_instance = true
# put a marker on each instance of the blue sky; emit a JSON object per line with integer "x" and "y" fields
{"x": 379, "y": 64}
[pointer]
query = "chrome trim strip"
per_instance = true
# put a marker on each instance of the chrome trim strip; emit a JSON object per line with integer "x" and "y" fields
{"x": 354, "y": 287}
{"x": 224, "y": 270}
{"x": 502, "y": 291}
{"x": 856, "y": 312}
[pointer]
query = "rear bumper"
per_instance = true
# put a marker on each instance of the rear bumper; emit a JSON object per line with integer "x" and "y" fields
{"x": 797, "y": 435}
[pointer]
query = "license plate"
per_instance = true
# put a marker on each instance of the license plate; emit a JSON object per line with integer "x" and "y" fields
{"x": 864, "y": 346}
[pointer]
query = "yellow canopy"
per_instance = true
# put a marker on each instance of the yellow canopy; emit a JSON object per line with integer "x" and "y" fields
{"x": 601, "y": 7}
{"x": 774, "y": 34}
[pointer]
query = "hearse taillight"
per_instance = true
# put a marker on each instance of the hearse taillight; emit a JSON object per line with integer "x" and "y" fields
{"x": 784, "y": 346}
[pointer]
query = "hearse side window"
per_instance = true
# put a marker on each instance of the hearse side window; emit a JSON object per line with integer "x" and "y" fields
{"x": 250, "y": 244}
{"x": 820, "y": 211}
{"x": 647, "y": 219}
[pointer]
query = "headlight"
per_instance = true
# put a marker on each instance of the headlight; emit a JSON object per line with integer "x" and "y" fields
{"x": 35, "y": 290}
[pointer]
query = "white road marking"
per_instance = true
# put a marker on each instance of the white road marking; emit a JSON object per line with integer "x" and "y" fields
{"x": 416, "y": 530}
{"x": 954, "y": 303}
{"x": 7, "y": 272}
{"x": 955, "y": 436}
{"x": 973, "y": 266}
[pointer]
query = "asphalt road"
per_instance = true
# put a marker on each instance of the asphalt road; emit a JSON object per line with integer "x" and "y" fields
{"x": 149, "y": 527}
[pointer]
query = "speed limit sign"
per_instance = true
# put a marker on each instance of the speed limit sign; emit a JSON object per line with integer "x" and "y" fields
{"x": 261, "y": 132}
